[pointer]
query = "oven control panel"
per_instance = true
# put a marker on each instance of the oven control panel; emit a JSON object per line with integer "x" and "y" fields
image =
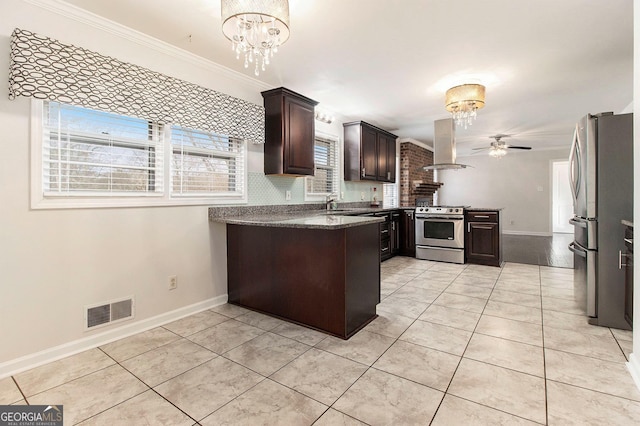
{"x": 440, "y": 210}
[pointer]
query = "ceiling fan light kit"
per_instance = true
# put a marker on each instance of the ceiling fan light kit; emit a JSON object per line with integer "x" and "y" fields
{"x": 256, "y": 28}
{"x": 498, "y": 148}
{"x": 497, "y": 152}
{"x": 464, "y": 101}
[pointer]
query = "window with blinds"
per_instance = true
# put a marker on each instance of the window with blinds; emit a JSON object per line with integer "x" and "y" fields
{"x": 390, "y": 195}
{"x": 88, "y": 158}
{"x": 325, "y": 179}
{"x": 87, "y": 152}
{"x": 204, "y": 163}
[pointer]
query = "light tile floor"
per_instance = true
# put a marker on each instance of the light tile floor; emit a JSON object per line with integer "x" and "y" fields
{"x": 453, "y": 345}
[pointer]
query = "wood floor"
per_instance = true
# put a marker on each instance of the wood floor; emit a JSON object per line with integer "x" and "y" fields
{"x": 535, "y": 250}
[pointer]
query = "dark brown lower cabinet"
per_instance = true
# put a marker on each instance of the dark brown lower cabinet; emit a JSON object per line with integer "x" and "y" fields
{"x": 385, "y": 236}
{"x": 407, "y": 233}
{"x": 483, "y": 237}
{"x": 327, "y": 279}
{"x": 394, "y": 240}
{"x": 626, "y": 261}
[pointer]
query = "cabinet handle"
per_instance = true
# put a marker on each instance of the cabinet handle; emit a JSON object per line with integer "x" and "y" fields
{"x": 620, "y": 264}
{"x": 363, "y": 172}
{"x": 481, "y": 217}
{"x": 468, "y": 227}
{"x": 388, "y": 175}
{"x": 393, "y": 226}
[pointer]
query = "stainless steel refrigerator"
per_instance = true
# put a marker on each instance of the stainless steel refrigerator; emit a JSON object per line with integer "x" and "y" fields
{"x": 601, "y": 178}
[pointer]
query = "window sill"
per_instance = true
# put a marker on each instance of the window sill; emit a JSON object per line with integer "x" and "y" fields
{"x": 53, "y": 203}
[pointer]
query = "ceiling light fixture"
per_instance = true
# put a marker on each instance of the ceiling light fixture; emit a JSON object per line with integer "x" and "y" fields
{"x": 463, "y": 101}
{"x": 256, "y": 28}
{"x": 324, "y": 117}
{"x": 498, "y": 151}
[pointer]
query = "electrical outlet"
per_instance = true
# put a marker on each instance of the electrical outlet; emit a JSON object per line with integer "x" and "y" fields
{"x": 287, "y": 195}
{"x": 361, "y": 196}
{"x": 342, "y": 195}
{"x": 173, "y": 282}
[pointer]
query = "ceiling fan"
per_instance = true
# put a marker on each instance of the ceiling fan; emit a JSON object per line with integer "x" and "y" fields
{"x": 498, "y": 148}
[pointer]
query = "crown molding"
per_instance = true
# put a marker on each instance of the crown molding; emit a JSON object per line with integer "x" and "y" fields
{"x": 85, "y": 17}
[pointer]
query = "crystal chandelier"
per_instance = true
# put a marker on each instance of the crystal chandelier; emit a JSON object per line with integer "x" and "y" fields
{"x": 463, "y": 101}
{"x": 256, "y": 28}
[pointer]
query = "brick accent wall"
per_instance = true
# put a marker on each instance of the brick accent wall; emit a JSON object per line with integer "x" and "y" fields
{"x": 412, "y": 157}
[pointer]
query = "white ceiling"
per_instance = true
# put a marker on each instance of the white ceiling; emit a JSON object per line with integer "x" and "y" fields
{"x": 545, "y": 63}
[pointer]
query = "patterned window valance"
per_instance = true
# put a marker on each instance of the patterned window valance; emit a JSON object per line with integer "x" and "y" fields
{"x": 44, "y": 68}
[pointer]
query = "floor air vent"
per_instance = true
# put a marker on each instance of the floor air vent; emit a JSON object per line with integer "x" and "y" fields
{"x": 108, "y": 313}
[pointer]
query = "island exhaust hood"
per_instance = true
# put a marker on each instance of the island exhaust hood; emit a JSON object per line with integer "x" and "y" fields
{"x": 444, "y": 146}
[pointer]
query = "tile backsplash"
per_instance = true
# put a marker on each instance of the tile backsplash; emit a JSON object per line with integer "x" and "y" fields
{"x": 268, "y": 190}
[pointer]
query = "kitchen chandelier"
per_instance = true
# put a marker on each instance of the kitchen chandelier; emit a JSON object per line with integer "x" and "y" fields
{"x": 256, "y": 28}
{"x": 463, "y": 101}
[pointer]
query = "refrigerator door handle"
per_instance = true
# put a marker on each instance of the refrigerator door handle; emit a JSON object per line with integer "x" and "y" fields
{"x": 590, "y": 260}
{"x": 577, "y": 251}
{"x": 574, "y": 165}
{"x": 591, "y": 227}
{"x": 577, "y": 222}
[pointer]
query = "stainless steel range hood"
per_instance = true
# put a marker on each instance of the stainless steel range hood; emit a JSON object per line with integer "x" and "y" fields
{"x": 444, "y": 146}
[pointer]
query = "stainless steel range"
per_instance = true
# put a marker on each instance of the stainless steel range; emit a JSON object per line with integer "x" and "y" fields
{"x": 440, "y": 233}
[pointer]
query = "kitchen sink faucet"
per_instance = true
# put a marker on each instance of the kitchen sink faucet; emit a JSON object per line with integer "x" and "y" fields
{"x": 331, "y": 202}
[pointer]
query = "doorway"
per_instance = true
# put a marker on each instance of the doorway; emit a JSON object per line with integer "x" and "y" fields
{"x": 561, "y": 200}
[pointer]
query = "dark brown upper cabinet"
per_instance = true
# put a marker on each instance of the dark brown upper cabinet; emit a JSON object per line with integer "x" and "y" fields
{"x": 289, "y": 133}
{"x": 369, "y": 153}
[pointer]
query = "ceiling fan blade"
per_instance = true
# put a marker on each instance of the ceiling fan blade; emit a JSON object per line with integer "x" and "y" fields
{"x": 518, "y": 147}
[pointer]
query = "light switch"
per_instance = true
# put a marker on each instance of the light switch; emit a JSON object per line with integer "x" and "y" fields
{"x": 540, "y": 189}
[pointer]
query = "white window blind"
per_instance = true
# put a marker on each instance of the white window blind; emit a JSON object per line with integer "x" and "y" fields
{"x": 205, "y": 163}
{"x": 390, "y": 195}
{"x": 325, "y": 180}
{"x": 87, "y": 158}
{"x": 87, "y": 152}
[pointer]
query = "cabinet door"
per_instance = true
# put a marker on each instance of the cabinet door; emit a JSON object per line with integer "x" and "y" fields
{"x": 628, "y": 288}
{"x": 299, "y": 137}
{"x": 395, "y": 233}
{"x": 382, "y": 157}
{"x": 386, "y": 158}
{"x": 407, "y": 233}
{"x": 482, "y": 244}
{"x": 391, "y": 159}
{"x": 369, "y": 154}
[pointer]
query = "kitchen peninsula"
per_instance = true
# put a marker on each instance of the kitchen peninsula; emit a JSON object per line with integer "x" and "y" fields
{"x": 309, "y": 267}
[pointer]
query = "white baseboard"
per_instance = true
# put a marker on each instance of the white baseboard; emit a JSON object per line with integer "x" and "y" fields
{"x": 55, "y": 353}
{"x": 531, "y": 233}
{"x": 634, "y": 368}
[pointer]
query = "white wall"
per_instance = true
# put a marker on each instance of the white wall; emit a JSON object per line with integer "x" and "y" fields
{"x": 520, "y": 183}
{"x": 54, "y": 262}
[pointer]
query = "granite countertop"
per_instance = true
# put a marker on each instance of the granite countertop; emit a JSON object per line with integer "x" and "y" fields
{"x": 319, "y": 220}
{"x": 627, "y": 223}
{"x": 310, "y": 216}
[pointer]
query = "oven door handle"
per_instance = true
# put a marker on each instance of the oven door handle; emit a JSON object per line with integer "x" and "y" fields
{"x": 442, "y": 248}
{"x": 438, "y": 217}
